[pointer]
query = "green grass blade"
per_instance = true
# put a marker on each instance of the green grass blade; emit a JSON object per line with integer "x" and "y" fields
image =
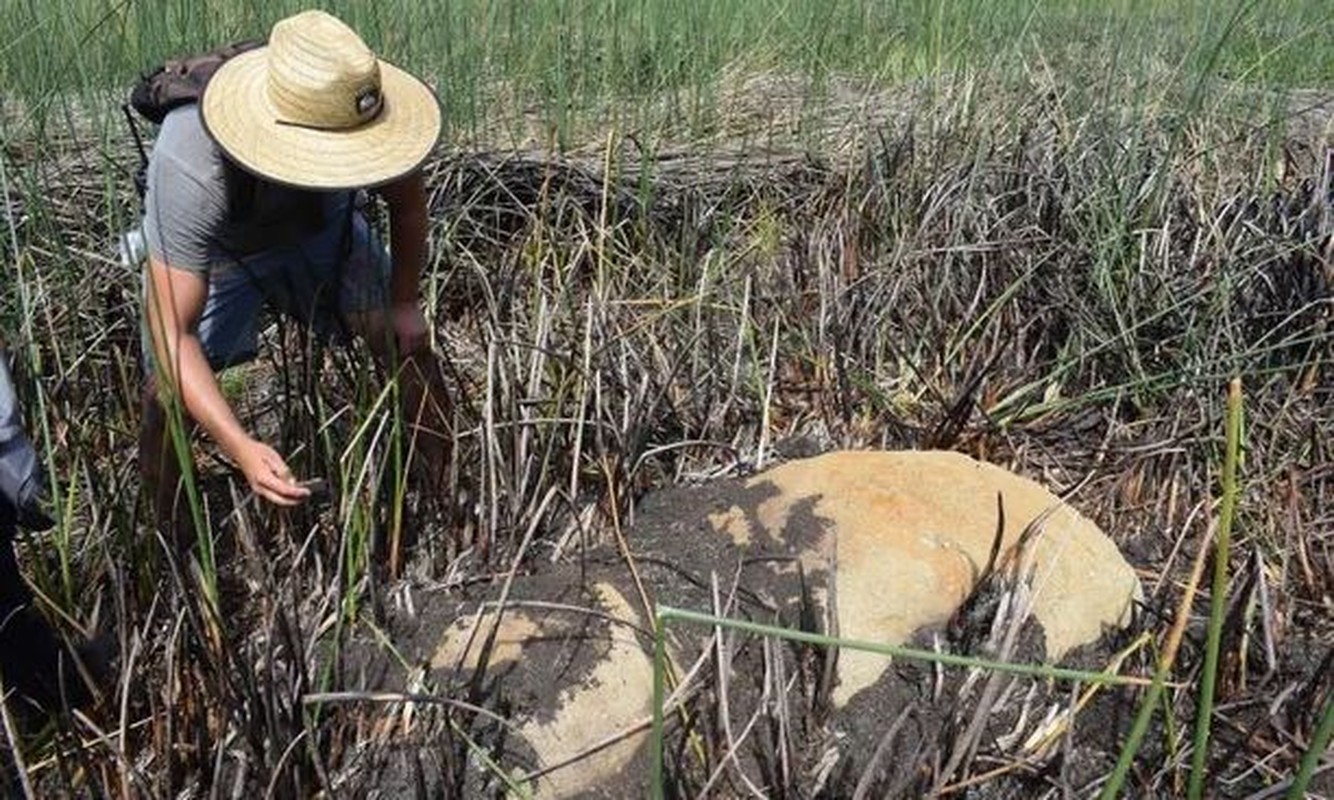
{"x": 1319, "y": 747}
{"x": 1218, "y": 592}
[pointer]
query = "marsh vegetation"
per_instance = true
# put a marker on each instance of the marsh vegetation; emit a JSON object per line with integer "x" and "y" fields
{"x": 674, "y": 242}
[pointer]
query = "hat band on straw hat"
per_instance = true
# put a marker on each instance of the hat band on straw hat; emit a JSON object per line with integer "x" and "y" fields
{"x": 370, "y": 102}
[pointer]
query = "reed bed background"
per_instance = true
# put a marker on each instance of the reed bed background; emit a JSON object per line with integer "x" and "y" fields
{"x": 676, "y": 241}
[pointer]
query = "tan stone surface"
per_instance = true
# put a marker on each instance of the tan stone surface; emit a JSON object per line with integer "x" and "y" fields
{"x": 516, "y": 630}
{"x": 618, "y": 695}
{"x": 910, "y": 531}
{"x": 615, "y": 695}
{"x": 732, "y": 522}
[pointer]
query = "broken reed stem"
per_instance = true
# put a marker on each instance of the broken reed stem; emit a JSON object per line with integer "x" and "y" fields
{"x": 1218, "y": 592}
{"x": 864, "y": 783}
{"x": 323, "y": 698}
{"x": 1165, "y": 662}
{"x": 15, "y": 744}
{"x": 1039, "y": 743}
{"x": 766, "y": 411}
{"x": 514, "y": 788}
{"x": 659, "y": 679}
{"x": 723, "y": 654}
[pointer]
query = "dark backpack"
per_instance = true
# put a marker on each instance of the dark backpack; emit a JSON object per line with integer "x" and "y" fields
{"x": 181, "y": 81}
{"x": 178, "y": 82}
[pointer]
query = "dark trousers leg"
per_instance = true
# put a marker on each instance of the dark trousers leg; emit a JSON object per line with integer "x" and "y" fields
{"x": 37, "y": 668}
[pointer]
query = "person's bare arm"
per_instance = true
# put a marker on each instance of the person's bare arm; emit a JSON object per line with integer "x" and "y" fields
{"x": 425, "y": 401}
{"x": 174, "y": 303}
{"x": 409, "y": 224}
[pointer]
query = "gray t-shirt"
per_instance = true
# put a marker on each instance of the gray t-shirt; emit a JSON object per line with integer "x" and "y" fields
{"x": 202, "y": 211}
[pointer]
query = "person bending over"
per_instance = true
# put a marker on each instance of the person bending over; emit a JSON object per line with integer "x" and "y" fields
{"x": 251, "y": 199}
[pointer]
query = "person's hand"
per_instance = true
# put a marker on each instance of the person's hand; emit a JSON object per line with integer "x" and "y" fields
{"x": 268, "y": 475}
{"x": 409, "y": 324}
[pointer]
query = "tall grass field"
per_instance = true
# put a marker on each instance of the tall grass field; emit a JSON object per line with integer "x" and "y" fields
{"x": 1092, "y": 242}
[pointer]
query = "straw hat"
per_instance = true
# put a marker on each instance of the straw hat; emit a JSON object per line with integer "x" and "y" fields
{"x": 316, "y": 109}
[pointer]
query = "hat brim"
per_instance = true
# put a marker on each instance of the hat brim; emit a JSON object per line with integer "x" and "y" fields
{"x": 238, "y": 115}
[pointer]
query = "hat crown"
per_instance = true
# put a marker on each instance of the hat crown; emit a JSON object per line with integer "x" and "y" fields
{"x": 306, "y": 110}
{"x": 321, "y": 74}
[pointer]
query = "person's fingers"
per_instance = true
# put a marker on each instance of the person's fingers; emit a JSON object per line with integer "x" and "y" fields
{"x": 277, "y": 499}
{"x": 287, "y": 489}
{"x": 280, "y": 471}
{"x": 409, "y": 326}
{"x": 276, "y": 483}
{"x": 283, "y": 494}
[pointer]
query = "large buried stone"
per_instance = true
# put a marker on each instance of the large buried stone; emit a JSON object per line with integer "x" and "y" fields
{"x": 893, "y": 542}
{"x": 905, "y": 535}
